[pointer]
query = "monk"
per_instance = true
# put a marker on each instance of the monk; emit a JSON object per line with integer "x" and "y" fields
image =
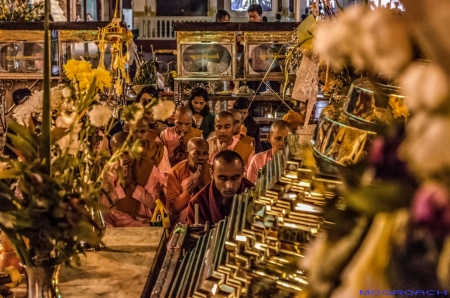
{"x": 215, "y": 199}
{"x": 142, "y": 131}
{"x": 239, "y": 130}
{"x": 187, "y": 178}
{"x": 225, "y": 140}
{"x": 134, "y": 198}
{"x": 173, "y": 137}
{"x": 278, "y": 132}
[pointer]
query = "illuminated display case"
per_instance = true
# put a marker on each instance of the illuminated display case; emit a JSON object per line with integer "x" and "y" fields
{"x": 206, "y": 54}
{"x": 22, "y": 54}
{"x": 81, "y": 44}
{"x": 260, "y": 52}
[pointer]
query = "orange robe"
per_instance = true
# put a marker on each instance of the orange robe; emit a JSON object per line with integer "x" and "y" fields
{"x": 257, "y": 162}
{"x": 177, "y": 195}
{"x": 214, "y": 146}
{"x": 146, "y": 195}
{"x": 171, "y": 140}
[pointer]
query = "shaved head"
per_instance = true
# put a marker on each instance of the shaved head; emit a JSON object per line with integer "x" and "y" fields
{"x": 118, "y": 139}
{"x": 224, "y": 115}
{"x": 237, "y": 115}
{"x": 183, "y": 120}
{"x": 195, "y": 143}
{"x": 182, "y": 111}
{"x": 198, "y": 153}
{"x": 280, "y": 124}
{"x": 278, "y": 132}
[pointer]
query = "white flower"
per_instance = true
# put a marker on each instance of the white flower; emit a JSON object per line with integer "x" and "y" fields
{"x": 99, "y": 115}
{"x": 371, "y": 40}
{"x": 31, "y": 107}
{"x": 70, "y": 144}
{"x": 426, "y": 145}
{"x": 163, "y": 109}
{"x": 426, "y": 86}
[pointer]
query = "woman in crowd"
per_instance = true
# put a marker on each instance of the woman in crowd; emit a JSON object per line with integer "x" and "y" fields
{"x": 145, "y": 96}
{"x": 202, "y": 118}
{"x": 243, "y": 104}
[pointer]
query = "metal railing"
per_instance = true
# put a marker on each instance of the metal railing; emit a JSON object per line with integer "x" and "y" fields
{"x": 161, "y": 28}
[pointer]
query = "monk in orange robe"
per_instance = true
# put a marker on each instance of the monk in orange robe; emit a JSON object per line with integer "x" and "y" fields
{"x": 215, "y": 199}
{"x": 173, "y": 137}
{"x": 225, "y": 140}
{"x": 239, "y": 130}
{"x": 278, "y": 132}
{"x": 187, "y": 178}
{"x": 133, "y": 199}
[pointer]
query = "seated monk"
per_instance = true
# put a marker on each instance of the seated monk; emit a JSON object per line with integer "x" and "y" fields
{"x": 142, "y": 131}
{"x": 239, "y": 130}
{"x": 278, "y": 131}
{"x": 224, "y": 139}
{"x": 215, "y": 199}
{"x": 187, "y": 178}
{"x": 134, "y": 198}
{"x": 175, "y": 138}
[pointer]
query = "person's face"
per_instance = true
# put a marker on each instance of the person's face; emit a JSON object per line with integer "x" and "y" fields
{"x": 276, "y": 139}
{"x": 198, "y": 155}
{"x": 226, "y": 19}
{"x": 224, "y": 129}
{"x": 183, "y": 123}
{"x": 244, "y": 113}
{"x": 254, "y": 17}
{"x": 227, "y": 177}
{"x": 140, "y": 131}
{"x": 237, "y": 124}
{"x": 125, "y": 159}
{"x": 198, "y": 103}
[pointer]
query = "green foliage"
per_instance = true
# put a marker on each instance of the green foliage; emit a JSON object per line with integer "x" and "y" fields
{"x": 146, "y": 74}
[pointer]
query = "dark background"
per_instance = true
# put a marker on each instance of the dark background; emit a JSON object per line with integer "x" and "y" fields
{"x": 181, "y": 7}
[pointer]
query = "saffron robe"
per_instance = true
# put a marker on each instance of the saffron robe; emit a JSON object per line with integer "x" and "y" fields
{"x": 245, "y": 151}
{"x": 177, "y": 195}
{"x": 257, "y": 162}
{"x": 209, "y": 207}
{"x": 171, "y": 140}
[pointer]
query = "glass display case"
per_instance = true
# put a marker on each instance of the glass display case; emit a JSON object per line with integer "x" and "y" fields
{"x": 206, "y": 54}
{"x": 81, "y": 45}
{"x": 22, "y": 54}
{"x": 261, "y": 49}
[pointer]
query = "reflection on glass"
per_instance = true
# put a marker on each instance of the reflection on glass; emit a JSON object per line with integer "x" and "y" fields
{"x": 213, "y": 59}
{"x": 261, "y": 56}
{"x": 84, "y": 50}
{"x": 22, "y": 57}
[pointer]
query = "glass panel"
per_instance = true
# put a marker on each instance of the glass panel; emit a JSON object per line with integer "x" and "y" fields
{"x": 84, "y": 50}
{"x": 21, "y": 57}
{"x": 202, "y": 59}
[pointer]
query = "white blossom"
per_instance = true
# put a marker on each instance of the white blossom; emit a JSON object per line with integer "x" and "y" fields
{"x": 425, "y": 148}
{"x": 426, "y": 86}
{"x": 371, "y": 40}
{"x": 31, "y": 107}
{"x": 70, "y": 144}
{"x": 163, "y": 109}
{"x": 99, "y": 115}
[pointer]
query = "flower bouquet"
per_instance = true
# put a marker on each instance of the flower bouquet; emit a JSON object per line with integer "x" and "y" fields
{"x": 19, "y": 11}
{"x": 47, "y": 212}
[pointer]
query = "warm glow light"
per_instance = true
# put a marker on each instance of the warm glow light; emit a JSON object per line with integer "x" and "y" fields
{"x": 241, "y": 238}
{"x": 214, "y": 289}
{"x": 304, "y": 207}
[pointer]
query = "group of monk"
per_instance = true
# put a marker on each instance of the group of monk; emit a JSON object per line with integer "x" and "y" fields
{"x": 182, "y": 169}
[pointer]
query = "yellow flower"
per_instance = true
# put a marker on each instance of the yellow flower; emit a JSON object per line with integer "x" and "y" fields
{"x": 104, "y": 79}
{"x": 174, "y": 74}
{"x": 76, "y": 69}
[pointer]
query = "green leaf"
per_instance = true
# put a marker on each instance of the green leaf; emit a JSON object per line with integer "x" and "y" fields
{"x": 23, "y": 147}
{"x": 380, "y": 197}
{"x": 24, "y": 133}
